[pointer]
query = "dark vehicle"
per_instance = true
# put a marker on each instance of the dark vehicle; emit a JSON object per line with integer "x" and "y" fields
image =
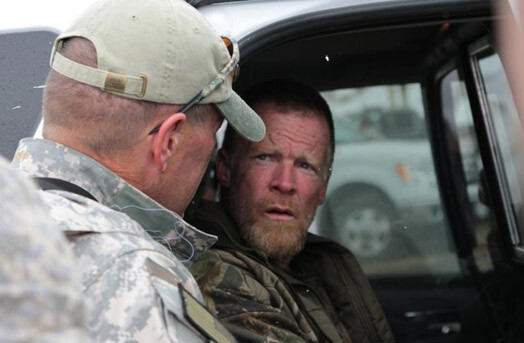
{"x": 455, "y": 274}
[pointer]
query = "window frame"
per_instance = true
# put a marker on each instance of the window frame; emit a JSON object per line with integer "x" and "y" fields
{"x": 452, "y": 181}
{"x": 498, "y": 187}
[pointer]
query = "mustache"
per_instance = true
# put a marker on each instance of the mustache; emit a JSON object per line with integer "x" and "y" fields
{"x": 264, "y": 203}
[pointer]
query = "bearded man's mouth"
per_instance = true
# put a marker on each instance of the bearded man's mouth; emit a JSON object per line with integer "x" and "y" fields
{"x": 280, "y": 213}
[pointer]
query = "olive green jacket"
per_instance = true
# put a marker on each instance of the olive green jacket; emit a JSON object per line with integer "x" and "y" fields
{"x": 326, "y": 298}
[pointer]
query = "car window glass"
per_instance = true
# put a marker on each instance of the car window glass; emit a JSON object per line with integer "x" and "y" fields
{"x": 507, "y": 129}
{"x": 456, "y": 109}
{"x": 383, "y": 202}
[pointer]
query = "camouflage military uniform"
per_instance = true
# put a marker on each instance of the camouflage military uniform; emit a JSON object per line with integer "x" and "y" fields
{"x": 324, "y": 297}
{"x": 39, "y": 301}
{"x": 132, "y": 281}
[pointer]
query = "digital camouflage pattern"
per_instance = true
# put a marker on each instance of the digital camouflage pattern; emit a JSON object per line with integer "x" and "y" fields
{"x": 39, "y": 283}
{"x": 326, "y": 298}
{"x": 129, "y": 278}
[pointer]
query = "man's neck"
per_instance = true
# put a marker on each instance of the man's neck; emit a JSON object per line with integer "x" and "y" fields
{"x": 117, "y": 163}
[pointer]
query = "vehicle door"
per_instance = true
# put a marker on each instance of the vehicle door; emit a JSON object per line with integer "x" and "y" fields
{"x": 415, "y": 176}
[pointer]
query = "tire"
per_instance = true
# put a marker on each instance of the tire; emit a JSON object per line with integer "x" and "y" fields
{"x": 360, "y": 218}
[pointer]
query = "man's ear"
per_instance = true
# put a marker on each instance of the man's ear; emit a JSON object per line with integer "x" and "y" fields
{"x": 167, "y": 140}
{"x": 223, "y": 168}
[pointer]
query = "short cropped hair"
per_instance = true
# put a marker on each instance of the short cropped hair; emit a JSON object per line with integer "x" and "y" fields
{"x": 102, "y": 121}
{"x": 287, "y": 95}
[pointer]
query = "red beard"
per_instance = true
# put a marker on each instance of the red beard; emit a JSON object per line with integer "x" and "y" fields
{"x": 280, "y": 240}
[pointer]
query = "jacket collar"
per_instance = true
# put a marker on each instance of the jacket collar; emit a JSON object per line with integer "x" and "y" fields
{"x": 212, "y": 217}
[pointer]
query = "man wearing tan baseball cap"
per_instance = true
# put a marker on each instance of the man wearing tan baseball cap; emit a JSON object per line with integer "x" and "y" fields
{"x": 131, "y": 106}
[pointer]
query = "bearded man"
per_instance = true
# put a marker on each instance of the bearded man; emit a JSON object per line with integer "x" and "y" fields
{"x": 267, "y": 279}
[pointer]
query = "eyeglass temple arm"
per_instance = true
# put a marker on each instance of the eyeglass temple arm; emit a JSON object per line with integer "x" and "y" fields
{"x": 183, "y": 109}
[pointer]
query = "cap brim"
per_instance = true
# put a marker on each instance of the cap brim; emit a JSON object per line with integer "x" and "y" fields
{"x": 242, "y": 118}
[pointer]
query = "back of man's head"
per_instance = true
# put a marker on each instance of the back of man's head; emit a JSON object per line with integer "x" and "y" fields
{"x": 125, "y": 64}
{"x": 287, "y": 95}
{"x": 99, "y": 120}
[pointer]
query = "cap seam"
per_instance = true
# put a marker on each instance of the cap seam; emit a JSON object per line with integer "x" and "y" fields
{"x": 170, "y": 55}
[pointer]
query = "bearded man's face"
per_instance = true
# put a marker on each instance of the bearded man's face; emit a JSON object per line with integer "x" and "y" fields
{"x": 275, "y": 186}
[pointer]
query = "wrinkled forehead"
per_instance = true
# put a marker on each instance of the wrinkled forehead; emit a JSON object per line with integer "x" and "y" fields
{"x": 300, "y": 121}
{"x": 298, "y": 131}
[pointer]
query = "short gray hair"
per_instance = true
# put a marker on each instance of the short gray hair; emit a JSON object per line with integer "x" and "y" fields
{"x": 102, "y": 121}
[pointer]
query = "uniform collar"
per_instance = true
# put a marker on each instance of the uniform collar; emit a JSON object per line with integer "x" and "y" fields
{"x": 44, "y": 158}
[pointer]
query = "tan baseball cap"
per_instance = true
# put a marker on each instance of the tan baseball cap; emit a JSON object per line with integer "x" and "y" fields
{"x": 162, "y": 51}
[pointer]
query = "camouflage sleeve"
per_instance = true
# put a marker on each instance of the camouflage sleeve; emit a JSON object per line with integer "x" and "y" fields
{"x": 39, "y": 285}
{"x": 135, "y": 302}
{"x": 251, "y": 301}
